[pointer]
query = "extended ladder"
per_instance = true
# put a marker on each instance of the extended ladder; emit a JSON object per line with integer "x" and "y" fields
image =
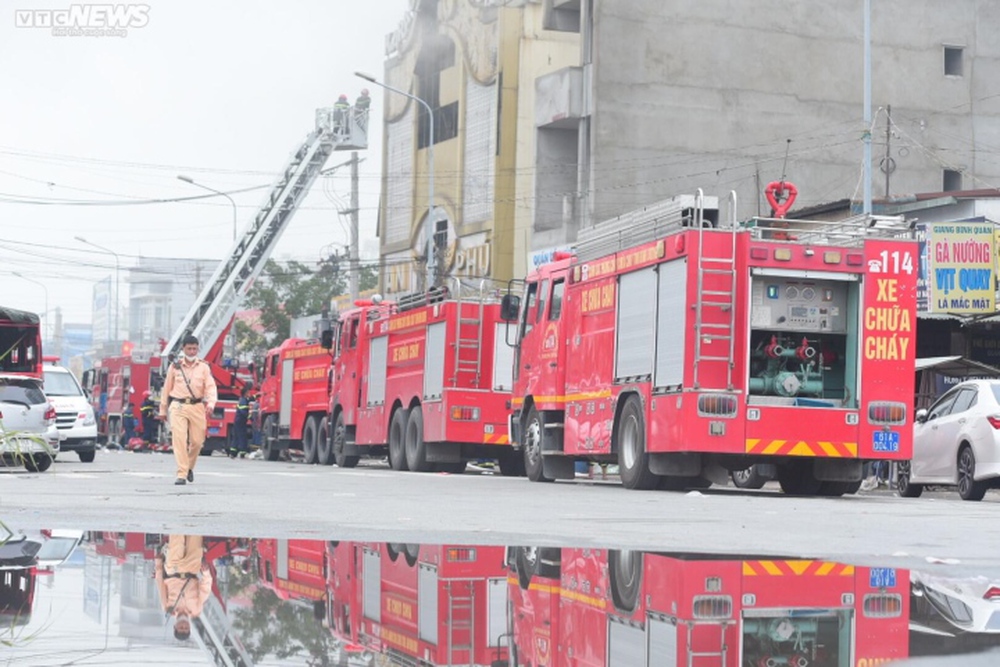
{"x": 722, "y": 299}
{"x": 469, "y": 335}
{"x": 213, "y": 632}
{"x": 461, "y": 620}
{"x": 210, "y": 315}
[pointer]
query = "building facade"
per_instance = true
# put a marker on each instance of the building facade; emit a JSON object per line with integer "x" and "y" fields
{"x": 552, "y": 115}
{"x": 669, "y": 97}
{"x": 472, "y": 63}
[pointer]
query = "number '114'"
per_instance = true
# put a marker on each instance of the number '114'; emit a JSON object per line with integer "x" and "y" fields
{"x": 901, "y": 261}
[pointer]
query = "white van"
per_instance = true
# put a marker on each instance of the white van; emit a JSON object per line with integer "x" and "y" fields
{"x": 74, "y": 414}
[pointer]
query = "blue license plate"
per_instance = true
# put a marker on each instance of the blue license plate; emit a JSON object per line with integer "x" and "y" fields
{"x": 882, "y": 577}
{"x": 214, "y": 430}
{"x": 885, "y": 441}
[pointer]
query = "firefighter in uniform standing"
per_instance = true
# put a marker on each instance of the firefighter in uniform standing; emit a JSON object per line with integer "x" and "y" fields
{"x": 184, "y": 581}
{"x": 190, "y": 394}
{"x": 240, "y": 423}
{"x": 148, "y": 413}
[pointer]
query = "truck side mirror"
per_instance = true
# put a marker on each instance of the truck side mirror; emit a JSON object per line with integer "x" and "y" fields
{"x": 510, "y": 305}
{"x": 326, "y": 339}
{"x": 921, "y": 416}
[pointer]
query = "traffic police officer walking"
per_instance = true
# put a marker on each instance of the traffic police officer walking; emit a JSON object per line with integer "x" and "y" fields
{"x": 189, "y": 393}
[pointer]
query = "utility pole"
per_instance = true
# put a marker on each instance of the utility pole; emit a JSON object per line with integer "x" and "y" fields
{"x": 353, "y": 267}
{"x": 887, "y": 165}
{"x": 866, "y": 202}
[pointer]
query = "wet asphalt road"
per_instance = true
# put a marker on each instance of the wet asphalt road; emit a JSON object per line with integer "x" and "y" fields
{"x": 135, "y": 492}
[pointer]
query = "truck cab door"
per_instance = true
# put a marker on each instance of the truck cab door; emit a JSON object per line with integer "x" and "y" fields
{"x": 549, "y": 322}
{"x": 346, "y": 379}
{"x": 524, "y": 353}
{"x": 541, "y": 351}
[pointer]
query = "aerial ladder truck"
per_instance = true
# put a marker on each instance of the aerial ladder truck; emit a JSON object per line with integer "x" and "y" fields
{"x": 211, "y": 315}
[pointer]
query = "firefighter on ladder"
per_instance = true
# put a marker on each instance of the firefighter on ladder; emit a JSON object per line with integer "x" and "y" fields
{"x": 362, "y": 106}
{"x": 341, "y": 115}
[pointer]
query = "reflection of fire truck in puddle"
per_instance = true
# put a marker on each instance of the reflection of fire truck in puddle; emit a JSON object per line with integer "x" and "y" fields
{"x": 293, "y": 569}
{"x": 420, "y": 604}
{"x": 618, "y": 608}
{"x": 120, "y": 545}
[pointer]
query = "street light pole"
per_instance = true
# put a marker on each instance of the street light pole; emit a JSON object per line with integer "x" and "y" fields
{"x": 429, "y": 230}
{"x": 46, "y": 314}
{"x": 117, "y": 267}
{"x": 188, "y": 179}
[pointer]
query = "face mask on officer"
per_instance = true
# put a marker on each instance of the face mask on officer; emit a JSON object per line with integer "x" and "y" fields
{"x": 190, "y": 353}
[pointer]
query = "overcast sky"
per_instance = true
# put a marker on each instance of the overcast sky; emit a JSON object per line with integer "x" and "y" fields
{"x": 221, "y": 91}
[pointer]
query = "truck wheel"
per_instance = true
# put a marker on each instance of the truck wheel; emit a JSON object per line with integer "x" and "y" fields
{"x": 625, "y": 573}
{"x": 416, "y": 450}
{"x": 86, "y": 457}
{"x": 270, "y": 445}
{"x": 833, "y": 489}
{"x": 339, "y": 438}
{"x": 324, "y": 446}
{"x": 412, "y": 553}
{"x": 748, "y": 478}
{"x": 796, "y": 479}
{"x": 511, "y": 464}
{"x": 532, "y": 435}
{"x": 397, "y": 440}
{"x": 630, "y": 441}
{"x": 310, "y": 436}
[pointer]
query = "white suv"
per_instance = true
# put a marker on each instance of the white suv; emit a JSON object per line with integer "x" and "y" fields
{"x": 74, "y": 414}
{"x": 26, "y": 417}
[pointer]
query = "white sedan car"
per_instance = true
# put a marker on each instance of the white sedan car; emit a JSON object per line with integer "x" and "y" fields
{"x": 956, "y": 443}
{"x": 28, "y": 435}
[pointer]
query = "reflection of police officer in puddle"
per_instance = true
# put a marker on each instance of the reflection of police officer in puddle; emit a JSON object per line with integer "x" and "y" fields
{"x": 184, "y": 581}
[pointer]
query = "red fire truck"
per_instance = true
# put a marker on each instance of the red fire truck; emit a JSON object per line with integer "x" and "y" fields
{"x": 435, "y": 605}
{"x": 425, "y": 380}
{"x": 680, "y": 348}
{"x": 294, "y": 397}
{"x": 616, "y": 608}
{"x": 113, "y": 383}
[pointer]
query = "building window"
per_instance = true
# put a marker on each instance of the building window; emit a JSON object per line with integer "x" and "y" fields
{"x": 953, "y": 60}
{"x": 436, "y": 55}
{"x": 952, "y": 180}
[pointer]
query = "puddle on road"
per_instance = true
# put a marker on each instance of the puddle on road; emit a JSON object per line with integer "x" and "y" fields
{"x": 72, "y": 595}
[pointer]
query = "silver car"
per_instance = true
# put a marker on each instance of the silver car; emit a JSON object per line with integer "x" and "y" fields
{"x": 27, "y": 419}
{"x": 956, "y": 443}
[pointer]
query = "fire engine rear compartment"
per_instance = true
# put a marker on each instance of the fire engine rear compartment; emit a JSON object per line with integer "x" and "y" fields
{"x": 803, "y": 342}
{"x": 795, "y": 637}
